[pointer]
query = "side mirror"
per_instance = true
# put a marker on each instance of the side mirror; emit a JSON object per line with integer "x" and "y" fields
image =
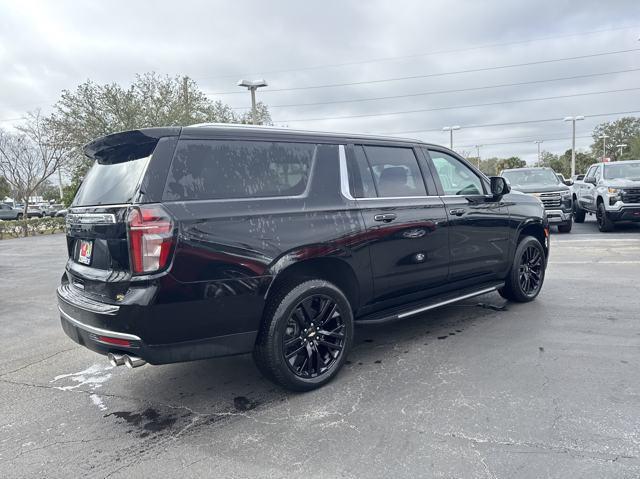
{"x": 499, "y": 186}
{"x": 568, "y": 182}
{"x": 591, "y": 180}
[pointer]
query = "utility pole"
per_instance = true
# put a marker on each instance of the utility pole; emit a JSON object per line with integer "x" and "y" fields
{"x": 538, "y": 142}
{"x": 185, "y": 94}
{"x": 450, "y": 130}
{"x": 252, "y": 86}
{"x": 621, "y": 147}
{"x": 604, "y": 137}
{"x": 573, "y": 120}
{"x": 60, "y": 182}
{"x": 478, "y": 151}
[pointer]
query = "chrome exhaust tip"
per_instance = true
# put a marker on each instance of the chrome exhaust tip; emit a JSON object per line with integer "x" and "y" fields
{"x": 116, "y": 359}
{"x": 133, "y": 361}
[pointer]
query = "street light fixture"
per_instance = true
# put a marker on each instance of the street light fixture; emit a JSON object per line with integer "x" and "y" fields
{"x": 539, "y": 142}
{"x": 252, "y": 86}
{"x": 573, "y": 120}
{"x": 622, "y": 146}
{"x": 604, "y": 145}
{"x": 450, "y": 130}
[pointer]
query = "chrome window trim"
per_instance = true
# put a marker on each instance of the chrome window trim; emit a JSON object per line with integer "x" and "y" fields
{"x": 346, "y": 192}
{"x": 98, "y": 331}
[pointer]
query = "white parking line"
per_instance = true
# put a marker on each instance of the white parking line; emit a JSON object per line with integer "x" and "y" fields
{"x": 551, "y": 262}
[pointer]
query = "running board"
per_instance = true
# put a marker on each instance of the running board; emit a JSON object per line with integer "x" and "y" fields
{"x": 417, "y": 307}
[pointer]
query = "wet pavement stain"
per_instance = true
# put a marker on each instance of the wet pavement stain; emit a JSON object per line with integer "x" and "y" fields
{"x": 377, "y": 361}
{"x": 149, "y": 420}
{"x": 443, "y": 337}
{"x": 242, "y": 403}
{"x": 541, "y": 349}
{"x": 368, "y": 340}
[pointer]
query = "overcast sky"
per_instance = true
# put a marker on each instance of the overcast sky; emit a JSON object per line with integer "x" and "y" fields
{"x": 46, "y": 47}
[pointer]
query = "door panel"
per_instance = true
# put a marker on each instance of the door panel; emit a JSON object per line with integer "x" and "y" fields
{"x": 478, "y": 224}
{"x": 409, "y": 252}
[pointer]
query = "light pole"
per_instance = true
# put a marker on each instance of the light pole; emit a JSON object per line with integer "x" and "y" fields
{"x": 252, "y": 86}
{"x": 538, "y": 142}
{"x": 450, "y": 130}
{"x": 478, "y": 151}
{"x": 573, "y": 120}
{"x": 604, "y": 145}
{"x": 622, "y": 146}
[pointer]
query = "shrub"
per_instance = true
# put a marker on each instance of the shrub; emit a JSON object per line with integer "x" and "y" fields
{"x": 33, "y": 227}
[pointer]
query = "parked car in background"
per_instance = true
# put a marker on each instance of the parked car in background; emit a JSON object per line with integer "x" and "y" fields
{"x": 545, "y": 184}
{"x": 35, "y": 212}
{"x": 611, "y": 191}
{"x": 61, "y": 213}
{"x": 53, "y": 208}
{"x": 8, "y": 212}
{"x": 197, "y": 242}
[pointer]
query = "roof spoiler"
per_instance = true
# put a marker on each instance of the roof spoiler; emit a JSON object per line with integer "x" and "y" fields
{"x": 127, "y": 145}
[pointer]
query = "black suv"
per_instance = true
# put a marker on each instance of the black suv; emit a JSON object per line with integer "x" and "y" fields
{"x": 205, "y": 241}
{"x": 545, "y": 184}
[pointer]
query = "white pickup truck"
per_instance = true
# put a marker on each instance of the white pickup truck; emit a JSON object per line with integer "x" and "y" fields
{"x": 611, "y": 191}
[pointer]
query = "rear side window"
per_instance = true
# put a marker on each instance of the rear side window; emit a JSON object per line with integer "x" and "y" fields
{"x": 216, "y": 169}
{"x": 111, "y": 183}
{"x": 395, "y": 171}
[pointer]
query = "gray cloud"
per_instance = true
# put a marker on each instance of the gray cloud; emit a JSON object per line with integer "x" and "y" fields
{"x": 49, "y": 46}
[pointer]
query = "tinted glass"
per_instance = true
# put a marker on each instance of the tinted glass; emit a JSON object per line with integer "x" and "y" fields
{"x": 531, "y": 177}
{"x": 629, "y": 171}
{"x": 111, "y": 183}
{"x": 214, "y": 169}
{"x": 455, "y": 177}
{"x": 395, "y": 171}
{"x": 360, "y": 176}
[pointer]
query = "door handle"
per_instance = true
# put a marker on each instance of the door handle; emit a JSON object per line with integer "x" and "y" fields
{"x": 387, "y": 217}
{"x": 457, "y": 211}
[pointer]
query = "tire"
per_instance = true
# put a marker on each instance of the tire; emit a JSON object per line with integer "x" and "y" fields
{"x": 530, "y": 253}
{"x": 565, "y": 228}
{"x": 19, "y": 217}
{"x": 578, "y": 213}
{"x": 290, "y": 327}
{"x": 604, "y": 223}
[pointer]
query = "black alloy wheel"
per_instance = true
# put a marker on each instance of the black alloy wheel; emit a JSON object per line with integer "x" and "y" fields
{"x": 314, "y": 337}
{"x": 530, "y": 270}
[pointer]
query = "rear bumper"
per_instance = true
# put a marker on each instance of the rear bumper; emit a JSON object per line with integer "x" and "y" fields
{"x": 105, "y": 328}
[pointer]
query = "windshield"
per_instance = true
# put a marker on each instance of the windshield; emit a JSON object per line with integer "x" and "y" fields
{"x": 629, "y": 171}
{"x": 110, "y": 183}
{"x": 531, "y": 177}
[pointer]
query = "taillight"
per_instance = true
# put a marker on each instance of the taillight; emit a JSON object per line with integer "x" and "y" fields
{"x": 151, "y": 238}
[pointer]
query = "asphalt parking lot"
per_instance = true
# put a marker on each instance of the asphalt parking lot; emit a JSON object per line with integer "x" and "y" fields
{"x": 479, "y": 389}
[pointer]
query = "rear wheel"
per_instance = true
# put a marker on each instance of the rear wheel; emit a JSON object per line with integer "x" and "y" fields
{"x": 19, "y": 217}
{"x": 305, "y": 336}
{"x": 527, "y": 272}
{"x": 578, "y": 213}
{"x": 604, "y": 223}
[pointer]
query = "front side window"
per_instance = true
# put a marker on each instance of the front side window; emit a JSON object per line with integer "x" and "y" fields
{"x": 217, "y": 169}
{"x": 455, "y": 177}
{"x": 395, "y": 171}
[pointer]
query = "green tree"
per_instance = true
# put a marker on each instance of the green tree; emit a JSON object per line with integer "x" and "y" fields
{"x": 583, "y": 162}
{"x": 489, "y": 166}
{"x": 625, "y": 130}
{"x": 511, "y": 162}
{"x": 95, "y": 110}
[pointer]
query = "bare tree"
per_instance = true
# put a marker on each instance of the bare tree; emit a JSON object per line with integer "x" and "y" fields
{"x": 29, "y": 157}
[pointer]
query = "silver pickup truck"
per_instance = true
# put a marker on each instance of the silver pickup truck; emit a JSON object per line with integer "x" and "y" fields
{"x": 611, "y": 191}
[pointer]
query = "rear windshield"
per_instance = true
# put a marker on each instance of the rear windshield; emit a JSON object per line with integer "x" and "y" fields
{"x": 215, "y": 169}
{"x": 111, "y": 183}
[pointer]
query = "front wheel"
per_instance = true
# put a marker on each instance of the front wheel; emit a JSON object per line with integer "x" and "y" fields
{"x": 565, "y": 228}
{"x": 527, "y": 272}
{"x": 604, "y": 223}
{"x": 305, "y": 336}
{"x": 19, "y": 217}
